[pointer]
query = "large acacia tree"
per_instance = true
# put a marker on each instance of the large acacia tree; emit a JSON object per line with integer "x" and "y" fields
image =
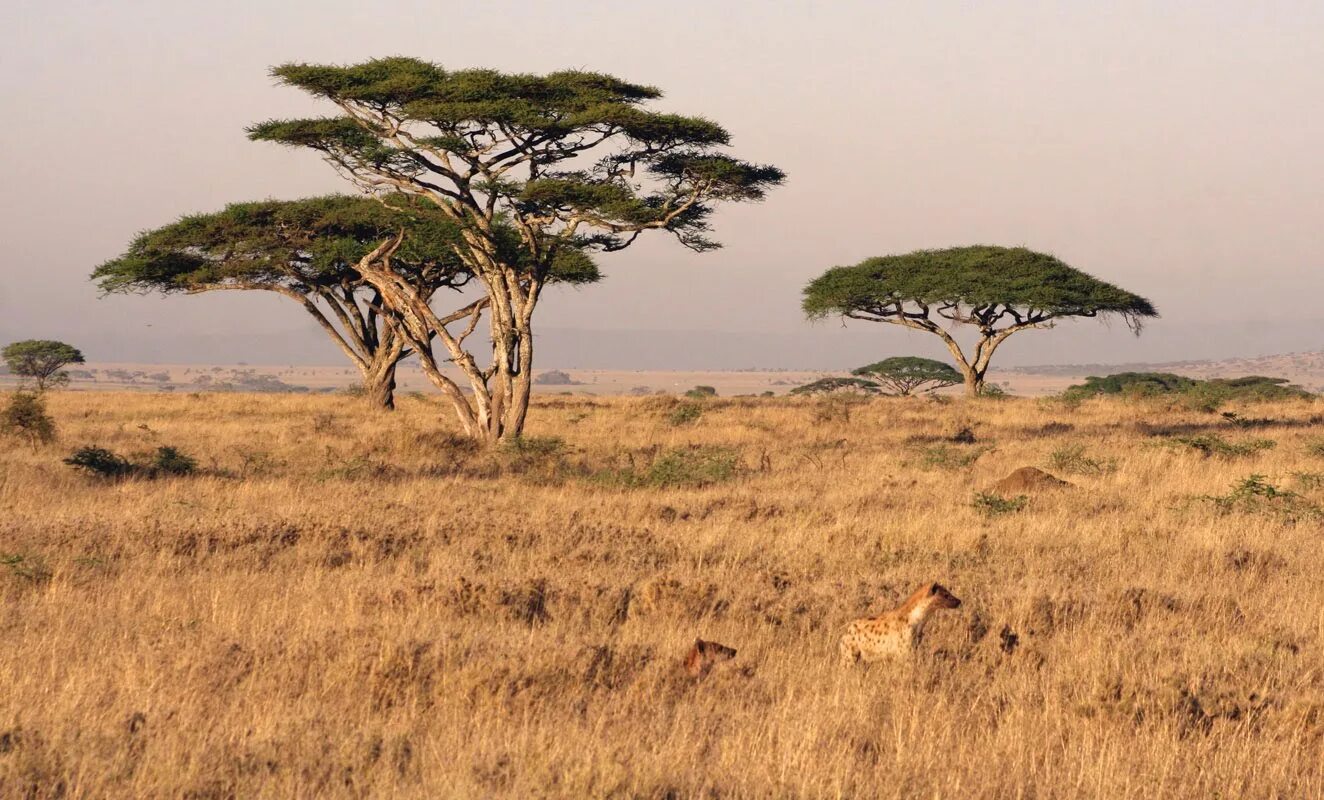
{"x": 997, "y": 291}
{"x": 313, "y": 251}
{"x": 571, "y": 160}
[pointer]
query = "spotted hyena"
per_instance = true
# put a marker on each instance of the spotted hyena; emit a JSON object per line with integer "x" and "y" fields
{"x": 897, "y": 632}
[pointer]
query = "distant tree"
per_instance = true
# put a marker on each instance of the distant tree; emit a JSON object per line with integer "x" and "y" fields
{"x": 41, "y": 360}
{"x": 571, "y": 160}
{"x": 309, "y": 251}
{"x": 555, "y": 377}
{"x": 833, "y": 385}
{"x": 903, "y": 375}
{"x": 995, "y": 290}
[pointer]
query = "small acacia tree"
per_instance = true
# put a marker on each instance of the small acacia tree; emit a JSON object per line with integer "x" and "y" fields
{"x": 903, "y": 375}
{"x": 571, "y": 160}
{"x": 41, "y": 360}
{"x": 997, "y": 291}
{"x": 309, "y": 251}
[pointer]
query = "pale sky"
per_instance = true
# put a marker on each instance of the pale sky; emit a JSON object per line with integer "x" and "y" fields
{"x": 1174, "y": 148}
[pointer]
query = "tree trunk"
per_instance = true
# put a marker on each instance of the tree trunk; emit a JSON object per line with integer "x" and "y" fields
{"x": 380, "y": 388}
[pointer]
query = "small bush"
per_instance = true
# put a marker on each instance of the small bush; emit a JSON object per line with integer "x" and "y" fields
{"x": 100, "y": 462}
{"x": 1315, "y": 448}
{"x": 992, "y": 505}
{"x": 1072, "y": 460}
{"x": 1256, "y": 495}
{"x": 25, "y": 417}
{"x": 106, "y": 464}
{"x": 171, "y": 461}
{"x": 695, "y": 466}
{"x": 685, "y": 413}
{"x": 1211, "y": 444}
{"x": 700, "y": 392}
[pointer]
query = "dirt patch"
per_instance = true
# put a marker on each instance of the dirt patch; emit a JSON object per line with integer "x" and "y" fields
{"x": 1027, "y": 479}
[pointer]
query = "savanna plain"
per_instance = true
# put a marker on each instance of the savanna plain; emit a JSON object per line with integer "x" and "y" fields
{"x": 340, "y": 602}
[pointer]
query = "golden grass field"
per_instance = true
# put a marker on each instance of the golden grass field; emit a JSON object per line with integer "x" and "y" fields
{"x": 343, "y": 603}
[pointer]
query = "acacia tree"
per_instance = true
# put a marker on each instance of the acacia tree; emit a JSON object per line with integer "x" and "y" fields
{"x": 311, "y": 252}
{"x": 902, "y": 375}
{"x": 572, "y": 160}
{"x": 42, "y": 360}
{"x": 995, "y": 290}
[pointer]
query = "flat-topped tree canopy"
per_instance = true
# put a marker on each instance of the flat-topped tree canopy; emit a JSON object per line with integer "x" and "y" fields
{"x": 996, "y": 290}
{"x": 301, "y": 246}
{"x": 904, "y": 374}
{"x": 982, "y": 284}
{"x": 485, "y": 139}
{"x": 572, "y": 160}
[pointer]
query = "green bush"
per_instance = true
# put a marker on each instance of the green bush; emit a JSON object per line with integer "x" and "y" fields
{"x": 694, "y": 466}
{"x": 170, "y": 461}
{"x": 104, "y": 463}
{"x": 100, "y": 462}
{"x": 685, "y": 413}
{"x": 1072, "y": 460}
{"x": 943, "y": 456}
{"x": 1206, "y": 395}
{"x": 1211, "y": 444}
{"x": 1256, "y": 495}
{"x": 25, "y": 417}
{"x": 991, "y": 505}
{"x": 700, "y": 392}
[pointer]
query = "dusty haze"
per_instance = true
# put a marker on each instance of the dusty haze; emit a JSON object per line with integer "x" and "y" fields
{"x": 1174, "y": 152}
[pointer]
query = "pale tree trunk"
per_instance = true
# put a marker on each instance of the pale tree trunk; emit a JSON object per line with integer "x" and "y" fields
{"x": 379, "y": 385}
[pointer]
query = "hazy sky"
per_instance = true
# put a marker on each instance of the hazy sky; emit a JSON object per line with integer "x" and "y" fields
{"x": 1173, "y": 148}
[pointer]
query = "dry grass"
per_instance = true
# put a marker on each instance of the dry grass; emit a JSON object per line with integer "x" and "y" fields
{"x": 343, "y": 604}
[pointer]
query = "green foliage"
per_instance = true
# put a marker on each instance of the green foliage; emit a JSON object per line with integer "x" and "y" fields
{"x": 25, "y": 417}
{"x": 105, "y": 463}
{"x": 944, "y": 456}
{"x": 1206, "y": 395}
{"x": 1315, "y": 448}
{"x": 100, "y": 462}
{"x": 903, "y": 375}
{"x": 1211, "y": 444}
{"x": 534, "y": 121}
{"x": 978, "y": 277}
{"x": 991, "y": 505}
{"x": 171, "y": 461}
{"x": 693, "y": 466}
{"x": 833, "y": 385}
{"x": 1256, "y": 495}
{"x": 533, "y": 446}
{"x": 41, "y": 360}
{"x": 701, "y": 392}
{"x": 1072, "y": 460}
{"x": 685, "y": 413}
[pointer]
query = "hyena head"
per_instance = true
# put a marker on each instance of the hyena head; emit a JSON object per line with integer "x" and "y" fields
{"x": 704, "y": 655}
{"x": 941, "y": 598}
